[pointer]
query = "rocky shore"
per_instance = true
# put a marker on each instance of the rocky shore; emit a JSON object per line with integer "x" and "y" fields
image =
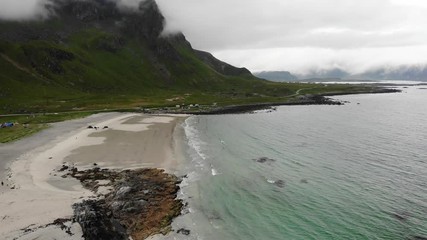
{"x": 74, "y": 182}
{"x": 130, "y": 203}
{"x": 247, "y": 108}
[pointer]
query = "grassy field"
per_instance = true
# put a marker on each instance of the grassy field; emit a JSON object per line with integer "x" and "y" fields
{"x": 28, "y": 125}
{"x": 32, "y": 123}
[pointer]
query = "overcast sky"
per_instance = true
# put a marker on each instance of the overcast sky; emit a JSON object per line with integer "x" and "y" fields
{"x": 299, "y": 35}
{"x": 294, "y": 35}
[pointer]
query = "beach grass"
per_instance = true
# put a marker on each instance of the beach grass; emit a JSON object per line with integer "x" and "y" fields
{"x": 17, "y": 132}
{"x": 30, "y": 124}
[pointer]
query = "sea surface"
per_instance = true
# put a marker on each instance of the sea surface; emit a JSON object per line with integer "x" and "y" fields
{"x": 357, "y": 171}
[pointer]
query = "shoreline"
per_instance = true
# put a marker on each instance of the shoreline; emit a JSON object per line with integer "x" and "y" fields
{"x": 109, "y": 146}
{"x": 13, "y": 151}
{"x": 304, "y": 100}
{"x": 38, "y": 194}
{"x": 211, "y": 110}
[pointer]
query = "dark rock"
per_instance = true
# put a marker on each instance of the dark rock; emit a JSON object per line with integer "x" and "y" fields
{"x": 122, "y": 192}
{"x": 142, "y": 203}
{"x": 63, "y": 168}
{"x": 418, "y": 238}
{"x": 183, "y": 231}
{"x": 105, "y": 127}
{"x": 47, "y": 58}
{"x": 90, "y": 127}
{"x": 264, "y": 160}
{"x": 280, "y": 183}
{"x": 61, "y": 223}
{"x": 117, "y": 206}
{"x": 401, "y": 216}
{"x": 93, "y": 219}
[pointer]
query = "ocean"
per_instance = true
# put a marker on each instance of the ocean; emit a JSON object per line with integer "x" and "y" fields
{"x": 356, "y": 171}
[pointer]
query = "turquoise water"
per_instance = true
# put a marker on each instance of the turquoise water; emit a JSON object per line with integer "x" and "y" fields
{"x": 357, "y": 171}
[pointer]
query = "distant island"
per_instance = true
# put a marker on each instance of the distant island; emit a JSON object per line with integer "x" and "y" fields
{"x": 410, "y": 73}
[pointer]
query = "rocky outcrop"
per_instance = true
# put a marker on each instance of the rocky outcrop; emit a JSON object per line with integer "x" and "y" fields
{"x": 140, "y": 203}
{"x": 96, "y": 221}
{"x": 279, "y": 183}
{"x": 417, "y": 238}
{"x": 47, "y": 58}
{"x": 264, "y": 160}
{"x": 233, "y": 109}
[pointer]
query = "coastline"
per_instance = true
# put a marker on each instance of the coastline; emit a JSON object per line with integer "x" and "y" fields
{"x": 38, "y": 193}
{"x": 130, "y": 141}
{"x": 319, "y": 99}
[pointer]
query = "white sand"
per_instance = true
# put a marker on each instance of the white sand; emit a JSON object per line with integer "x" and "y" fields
{"x": 42, "y": 195}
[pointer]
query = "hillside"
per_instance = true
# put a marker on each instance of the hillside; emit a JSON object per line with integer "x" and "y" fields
{"x": 94, "y": 55}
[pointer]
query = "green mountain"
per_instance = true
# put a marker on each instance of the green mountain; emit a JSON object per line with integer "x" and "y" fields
{"x": 95, "y": 55}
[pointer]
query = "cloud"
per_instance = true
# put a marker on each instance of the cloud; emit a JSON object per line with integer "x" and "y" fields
{"x": 288, "y": 34}
{"x": 238, "y": 24}
{"x": 34, "y": 9}
{"x": 303, "y": 34}
{"x": 129, "y": 4}
{"x": 305, "y": 59}
{"x": 21, "y": 9}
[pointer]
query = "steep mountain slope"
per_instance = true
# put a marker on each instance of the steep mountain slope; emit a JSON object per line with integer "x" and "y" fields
{"x": 93, "y": 53}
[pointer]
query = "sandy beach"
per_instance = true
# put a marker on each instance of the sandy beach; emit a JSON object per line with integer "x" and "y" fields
{"x": 36, "y": 194}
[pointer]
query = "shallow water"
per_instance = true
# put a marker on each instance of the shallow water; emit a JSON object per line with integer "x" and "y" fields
{"x": 357, "y": 171}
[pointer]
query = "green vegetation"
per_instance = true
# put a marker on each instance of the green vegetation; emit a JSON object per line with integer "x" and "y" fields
{"x": 28, "y": 125}
{"x": 17, "y": 132}
{"x": 90, "y": 73}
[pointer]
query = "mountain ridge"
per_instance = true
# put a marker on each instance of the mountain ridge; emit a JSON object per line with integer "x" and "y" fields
{"x": 88, "y": 48}
{"x": 96, "y": 55}
{"x": 404, "y": 72}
